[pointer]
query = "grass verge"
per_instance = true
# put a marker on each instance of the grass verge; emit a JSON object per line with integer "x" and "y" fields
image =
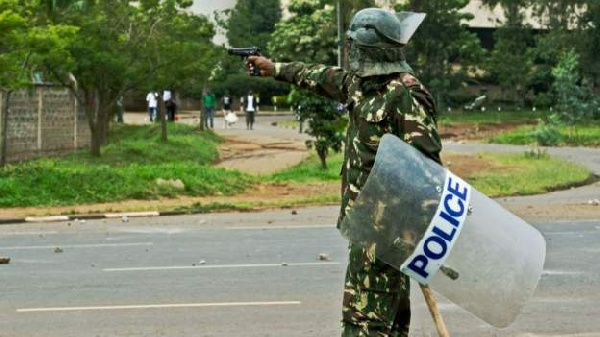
{"x": 528, "y": 173}
{"x": 128, "y": 169}
{"x": 501, "y": 174}
{"x": 583, "y": 135}
{"x": 490, "y": 116}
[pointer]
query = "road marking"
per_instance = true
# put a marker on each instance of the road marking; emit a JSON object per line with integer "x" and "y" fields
{"x": 132, "y": 215}
{"x": 46, "y": 218}
{"x": 571, "y": 233}
{"x": 160, "y": 306}
{"x": 27, "y": 233}
{"x": 560, "y": 272}
{"x": 220, "y": 266}
{"x": 81, "y": 246}
{"x": 282, "y": 227}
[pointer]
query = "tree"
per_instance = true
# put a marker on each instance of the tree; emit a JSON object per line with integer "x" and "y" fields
{"x": 251, "y": 22}
{"x": 23, "y": 38}
{"x": 324, "y": 122}
{"x": 310, "y": 35}
{"x": 440, "y": 43}
{"x": 511, "y": 60}
{"x": 575, "y": 102}
{"x": 119, "y": 47}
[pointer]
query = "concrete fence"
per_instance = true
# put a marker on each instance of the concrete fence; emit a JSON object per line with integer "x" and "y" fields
{"x": 42, "y": 121}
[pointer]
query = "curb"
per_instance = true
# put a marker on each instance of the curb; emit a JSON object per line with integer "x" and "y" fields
{"x": 64, "y": 218}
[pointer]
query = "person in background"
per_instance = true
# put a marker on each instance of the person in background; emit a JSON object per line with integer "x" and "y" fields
{"x": 210, "y": 103}
{"x": 170, "y": 105}
{"x": 151, "y": 98}
{"x": 229, "y": 116}
{"x": 251, "y": 106}
{"x": 119, "y": 104}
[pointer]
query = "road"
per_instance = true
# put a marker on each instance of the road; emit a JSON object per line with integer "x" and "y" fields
{"x": 243, "y": 274}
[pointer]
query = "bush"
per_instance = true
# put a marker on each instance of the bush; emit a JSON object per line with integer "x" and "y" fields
{"x": 546, "y": 134}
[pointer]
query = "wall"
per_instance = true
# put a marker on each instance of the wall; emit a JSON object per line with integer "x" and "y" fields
{"x": 42, "y": 121}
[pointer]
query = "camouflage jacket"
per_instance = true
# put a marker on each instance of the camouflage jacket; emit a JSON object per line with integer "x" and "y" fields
{"x": 396, "y": 103}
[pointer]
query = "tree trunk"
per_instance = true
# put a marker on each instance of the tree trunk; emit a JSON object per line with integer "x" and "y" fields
{"x": 96, "y": 142}
{"x": 322, "y": 157}
{"x": 4, "y": 122}
{"x": 163, "y": 121}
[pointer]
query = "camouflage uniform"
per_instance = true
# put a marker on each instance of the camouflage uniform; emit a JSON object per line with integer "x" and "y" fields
{"x": 376, "y": 296}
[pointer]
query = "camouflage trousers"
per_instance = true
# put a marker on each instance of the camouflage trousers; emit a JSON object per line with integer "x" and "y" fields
{"x": 376, "y": 298}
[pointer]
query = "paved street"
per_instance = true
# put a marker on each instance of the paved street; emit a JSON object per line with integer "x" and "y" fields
{"x": 251, "y": 274}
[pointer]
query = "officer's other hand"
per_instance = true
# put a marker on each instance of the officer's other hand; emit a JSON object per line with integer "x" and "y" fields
{"x": 267, "y": 68}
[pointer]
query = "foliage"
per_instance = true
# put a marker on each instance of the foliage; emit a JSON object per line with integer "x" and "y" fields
{"x": 309, "y": 35}
{"x": 251, "y": 22}
{"x": 325, "y": 122}
{"x": 24, "y": 37}
{"x": 575, "y": 102}
{"x": 511, "y": 60}
{"x": 546, "y": 134}
{"x": 439, "y": 42}
{"x": 121, "y": 45}
{"x": 127, "y": 170}
{"x": 238, "y": 84}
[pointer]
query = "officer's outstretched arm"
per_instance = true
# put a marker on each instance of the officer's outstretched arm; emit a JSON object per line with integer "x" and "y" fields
{"x": 323, "y": 80}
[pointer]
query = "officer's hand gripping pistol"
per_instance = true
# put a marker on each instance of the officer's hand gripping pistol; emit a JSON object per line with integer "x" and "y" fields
{"x": 245, "y": 53}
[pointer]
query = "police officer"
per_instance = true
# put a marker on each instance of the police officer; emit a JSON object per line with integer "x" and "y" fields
{"x": 382, "y": 96}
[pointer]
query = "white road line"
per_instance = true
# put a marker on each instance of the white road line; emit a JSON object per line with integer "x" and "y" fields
{"x": 27, "y": 233}
{"x": 571, "y": 233}
{"x": 561, "y": 272}
{"x": 80, "y": 246}
{"x": 282, "y": 227}
{"x": 160, "y": 306}
{"x": 220, "y": 266}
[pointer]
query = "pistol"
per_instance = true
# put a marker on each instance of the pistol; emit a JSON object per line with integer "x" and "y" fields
{"x": 245, "y": 53}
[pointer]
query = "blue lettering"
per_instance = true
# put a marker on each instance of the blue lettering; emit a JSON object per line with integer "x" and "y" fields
{"x": 418, "y": 265}
{"x": 444, "y": 235}
{"x": 431, "y": 254}
{"x": 455, "y": 189}
{"x": 450, "y": 210}
{"x": 450, "y": 219}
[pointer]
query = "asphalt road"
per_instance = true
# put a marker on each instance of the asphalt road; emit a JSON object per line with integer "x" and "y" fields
{"x": 251, "y": 274}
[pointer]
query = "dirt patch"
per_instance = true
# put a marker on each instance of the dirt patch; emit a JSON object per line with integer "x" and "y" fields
{"x": 476, "y": 132}
{"x": 261, "y": 158}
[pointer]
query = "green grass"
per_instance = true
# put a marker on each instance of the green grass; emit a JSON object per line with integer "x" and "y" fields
{"x": 310, "y": 171}
{"x": 491, "y": 116}
{"x": 128, "y": 168}
{"x": 527, "y": 174}
{"x": 521, "y": 174}
{"x": 584, "y": 135}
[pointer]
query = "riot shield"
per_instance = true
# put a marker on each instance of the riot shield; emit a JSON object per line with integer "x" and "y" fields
{"x": 427, "y": 222}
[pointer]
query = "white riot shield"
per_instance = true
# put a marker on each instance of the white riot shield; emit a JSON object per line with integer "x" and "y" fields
{"x": 427, "y": 222}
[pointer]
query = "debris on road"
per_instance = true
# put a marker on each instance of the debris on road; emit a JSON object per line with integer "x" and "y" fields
{"x": 323, "y": 257}
{"x": 4, "y": 260}
{"x": 294, "y": 212}
{"x": 58, "y": 250}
